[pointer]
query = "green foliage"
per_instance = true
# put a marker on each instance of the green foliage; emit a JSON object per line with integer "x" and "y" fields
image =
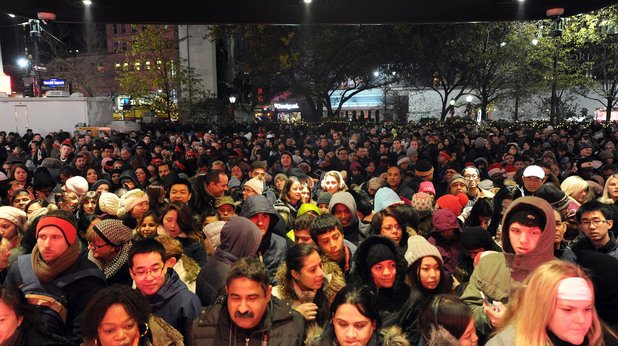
{"x": 153, "y": 70}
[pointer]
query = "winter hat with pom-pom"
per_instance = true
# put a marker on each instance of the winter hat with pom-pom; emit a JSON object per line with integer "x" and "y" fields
{"x": 77, "y": 185}
{"x": 130, "y": 199}
{"x": 109, "y": 203}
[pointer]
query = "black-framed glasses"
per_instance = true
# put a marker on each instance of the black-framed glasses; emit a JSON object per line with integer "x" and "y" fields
{"x": 596, "y": 223}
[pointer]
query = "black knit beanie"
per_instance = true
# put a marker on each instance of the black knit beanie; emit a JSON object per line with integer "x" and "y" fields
{"x": 379, "y": 253}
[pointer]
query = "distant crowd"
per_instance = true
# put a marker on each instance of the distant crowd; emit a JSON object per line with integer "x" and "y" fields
{"x": 375, "y": 234}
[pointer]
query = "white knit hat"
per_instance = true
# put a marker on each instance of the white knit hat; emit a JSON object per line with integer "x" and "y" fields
{"x": 256, "y": 185}
{"x": 109, "y": 203}
{"x": 212, "y": 231}
{"x": 419, "y": 247}
{"x": 130, "y": 200}
{"x": 77, "y": 184}
{"x": 14, "y": 215}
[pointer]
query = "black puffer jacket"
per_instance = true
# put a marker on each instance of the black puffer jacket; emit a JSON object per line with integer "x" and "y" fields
{"x": 390, "y": 300}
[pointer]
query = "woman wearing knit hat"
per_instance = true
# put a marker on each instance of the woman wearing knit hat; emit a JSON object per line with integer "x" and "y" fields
{"x": 426, "y": 278}
{"x": 135, "y": 204}
{"x": 380, "y": 265}
{"x": 12, "y": 222}
{"x": 108, "y": 205}
{"x": 109, "y": 242}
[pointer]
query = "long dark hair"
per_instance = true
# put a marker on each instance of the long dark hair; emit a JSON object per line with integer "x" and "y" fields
{"x": 378, "y": 218}
{"x": 184, "y": 219}
{"x": 415, "y": 281}
{"x": 364, "y": 302}
{"x": 447, "y": 311}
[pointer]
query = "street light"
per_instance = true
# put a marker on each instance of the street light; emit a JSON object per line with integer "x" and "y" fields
{"x": 87, "y": 2}
{"x": 469, "y": 98}
{"x": 22, "y": 62}
{"x": 11, "y": 15}
{"x": 232, "y": 99}
{"x": 452, "y": 102}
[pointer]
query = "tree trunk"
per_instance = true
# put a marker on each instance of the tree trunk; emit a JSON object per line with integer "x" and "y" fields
{"x": 553, "y": 109}
{"x": 516, "y": 114}
{"x": 608, "y": 109}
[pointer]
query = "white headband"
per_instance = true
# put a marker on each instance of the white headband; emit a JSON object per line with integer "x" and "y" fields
{"x": 574, "y": 288}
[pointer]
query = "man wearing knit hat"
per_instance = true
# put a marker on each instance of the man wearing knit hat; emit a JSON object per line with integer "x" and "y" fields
{"x": 55, "y": 278}
{"x": 252, "y": 187}
{"x": 529, "y": 229}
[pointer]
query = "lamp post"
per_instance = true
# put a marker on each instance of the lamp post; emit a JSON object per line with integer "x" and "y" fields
{"x": 232, "y": 100}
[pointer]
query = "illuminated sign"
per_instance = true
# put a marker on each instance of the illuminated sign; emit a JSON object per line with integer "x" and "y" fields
{"x": 286, "y": 105}
{"x": 54, "y": 82}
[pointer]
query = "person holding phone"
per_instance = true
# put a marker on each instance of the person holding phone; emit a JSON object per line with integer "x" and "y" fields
{"x": 529, "y": 231}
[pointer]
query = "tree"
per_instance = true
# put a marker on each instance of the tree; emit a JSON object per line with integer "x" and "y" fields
{"x": 597, "y": 40}
{"x": 439, "y": 57}
{"x": 314, "y": 62}
{"x": 153, "y": 70}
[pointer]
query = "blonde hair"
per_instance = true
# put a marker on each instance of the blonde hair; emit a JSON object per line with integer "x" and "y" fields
{"x": 534, "y": 303}
{"x": 173, "y": 248}
{"x": 606, "y": 198}
{"x": 573, "y": 185}
{"x": 337, "y": 175}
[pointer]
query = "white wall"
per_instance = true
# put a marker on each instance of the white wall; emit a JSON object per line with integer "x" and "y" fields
{"x": 44, "y": 115}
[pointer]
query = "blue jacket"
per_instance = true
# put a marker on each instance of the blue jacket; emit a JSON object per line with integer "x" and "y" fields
{"x": 175, "y": 304}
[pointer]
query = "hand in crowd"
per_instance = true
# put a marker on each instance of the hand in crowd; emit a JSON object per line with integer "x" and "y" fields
{"x": 495, "y": 313}
{"x": 308, "y": 310}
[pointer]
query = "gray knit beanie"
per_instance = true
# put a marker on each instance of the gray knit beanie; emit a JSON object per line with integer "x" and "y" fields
{"x": 419, "y": 247}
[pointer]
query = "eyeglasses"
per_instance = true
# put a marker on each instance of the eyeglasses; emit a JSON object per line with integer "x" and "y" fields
{"x": 470, "y": 176}
{"x": 155, "y": 273}
{"x": 95, "y": 246}
{"x": 390, "y": 228}
{"x": 596, "y": 223}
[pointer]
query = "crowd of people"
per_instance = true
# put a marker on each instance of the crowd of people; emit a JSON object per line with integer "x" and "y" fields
{"x": 375, "y": 234}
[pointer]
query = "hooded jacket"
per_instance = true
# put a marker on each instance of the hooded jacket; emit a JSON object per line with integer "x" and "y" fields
{"x": 500, "y": 274}
{"x": 390, "y": 300}
{"x": 273, "y": 247}
{"x": 445, "y": 219}
{"x": 239, "y": 238}
{"x": 351, "y": 232}
{"x": 174, "y": 303}
{"x": 280, "y": 325}
{"x": 130, "y": 175}
{"x": 472, "y": 238}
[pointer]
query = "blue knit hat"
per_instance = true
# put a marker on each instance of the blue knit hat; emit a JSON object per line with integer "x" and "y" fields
{"x": 385, "y": 197}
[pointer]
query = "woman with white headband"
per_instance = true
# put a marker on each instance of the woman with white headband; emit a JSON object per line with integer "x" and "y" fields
{"x": 554, "y": 306}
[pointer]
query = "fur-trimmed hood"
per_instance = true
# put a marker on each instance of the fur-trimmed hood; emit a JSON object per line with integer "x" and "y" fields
{"x": 333, "y": 283}
{"x": 389, "y": 336}
{"x": 361, "y": 272}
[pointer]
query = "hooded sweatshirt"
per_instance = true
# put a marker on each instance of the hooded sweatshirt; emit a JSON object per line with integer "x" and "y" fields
{"x": 500, "y": 274}
{"x": 273, "y": 247}
{"x": 239, "y": 238}
{"x": 350, "y": 232}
